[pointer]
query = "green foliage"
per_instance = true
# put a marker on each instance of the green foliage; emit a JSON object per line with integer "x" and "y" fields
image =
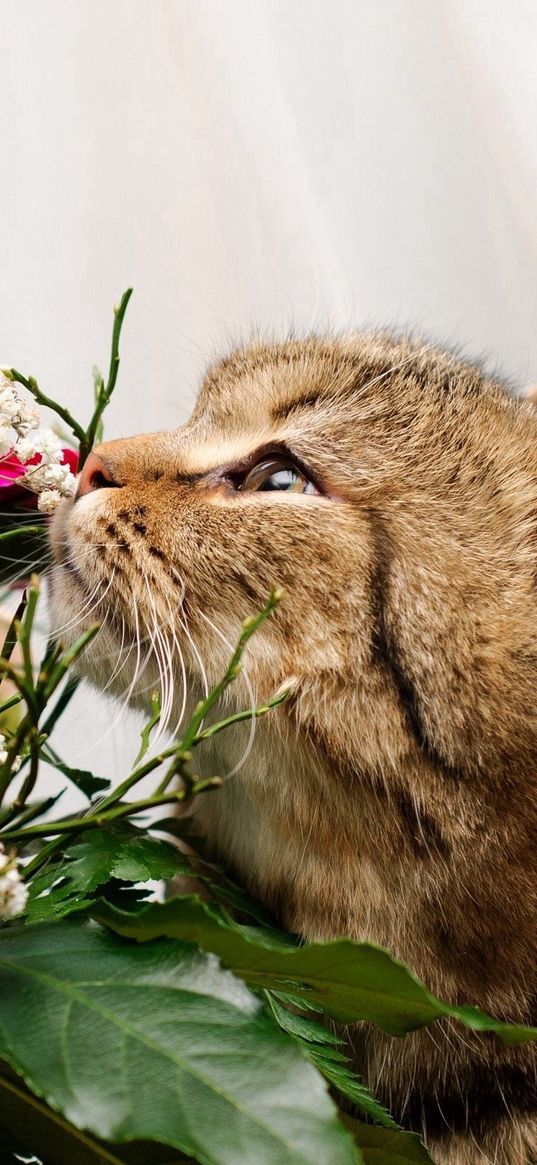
{"x": 159, "y": 1042}
{"x": 83, "y": 780}
{"x": 349, "y": 981}
{"x": 118, "y": 852}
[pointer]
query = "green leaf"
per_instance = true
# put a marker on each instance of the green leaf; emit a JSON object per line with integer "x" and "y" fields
{"x": 322, "y": 1047}
{"x": 85, "y": 781}
{"x": 158, "y": 1042}
{"x": 349, "y": 980}
{"x": 119, "y": 851}
{"x": 388, "y": 1146}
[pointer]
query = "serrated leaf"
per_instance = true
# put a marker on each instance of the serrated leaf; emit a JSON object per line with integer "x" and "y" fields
{"x": 159, "y": 1042}
{"x": 120, "y": 852}
{"x": 349, "y": 980}
{"x": 322, "y": 1047}
{"x": 85, "y": 781}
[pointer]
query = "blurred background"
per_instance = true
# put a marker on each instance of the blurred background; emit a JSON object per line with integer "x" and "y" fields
{"x": 251, "y": 165}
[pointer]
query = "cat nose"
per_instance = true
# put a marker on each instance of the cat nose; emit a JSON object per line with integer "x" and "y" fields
{"x": 95, "y": 475}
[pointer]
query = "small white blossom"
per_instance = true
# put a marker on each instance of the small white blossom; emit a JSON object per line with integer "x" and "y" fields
{"x": 10, "y": 405}
{"x": 13, "y": 892}
{"x": 49, "y": 445}
{"x": 55, "y": 475}
{"x": 25, "y": 449}
{"x": 49, "y": 500}
{"x": 6, "y": 438}
{"x": 30, "y": 421}
{"x": 15, "y": 411}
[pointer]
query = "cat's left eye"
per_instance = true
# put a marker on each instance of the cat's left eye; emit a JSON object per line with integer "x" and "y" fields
{"x": 277, "y": 473}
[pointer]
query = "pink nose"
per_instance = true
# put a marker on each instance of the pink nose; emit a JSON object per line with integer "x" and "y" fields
{"x": 95, "y": 475}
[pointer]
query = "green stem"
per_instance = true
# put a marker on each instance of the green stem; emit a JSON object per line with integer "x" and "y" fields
{"x": 31, "y": 384}
{"x": 104, "y": 392}
{"x": 5, "y": 537}
{"x": 47, "y": 684}
{"x": 28, "y": 694}
{"x": 94, "y": 821}
{"x": 249, "y": 627}
{"x": 25, "y": 634}
{"x": 28, "y": 784}
{"x": 11, "y": 703}
{"x": 42, "y": 857}
{"x": 137, "y": 775}
{"x": 6, "y": 774}
{"x": 11, "y": 634}
{"x": 237, "y": 717}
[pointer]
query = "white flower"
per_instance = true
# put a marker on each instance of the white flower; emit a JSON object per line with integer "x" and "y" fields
{"x": 15, "y": 411}
{"x": 49, "y": 500}
{"x": 6, "y": 438}
{"x": 13, "y": 892}
{"x": 50, "y": 446}
{"x": 69, "y": 485}
{"x": 30, "y": 421}
{"x": 45, "y": 442}
{"x": 55, "y": 475}
{"x": 25, "y": 449}
{"x": 9, "y": 404}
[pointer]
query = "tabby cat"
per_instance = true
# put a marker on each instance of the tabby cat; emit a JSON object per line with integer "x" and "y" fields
{"x": 391, "y": 489}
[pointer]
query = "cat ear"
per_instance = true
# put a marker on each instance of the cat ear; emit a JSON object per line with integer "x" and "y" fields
{"x": 530, "y": 394}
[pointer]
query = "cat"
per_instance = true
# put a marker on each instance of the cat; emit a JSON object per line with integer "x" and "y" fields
{"x": 390, "y": 488}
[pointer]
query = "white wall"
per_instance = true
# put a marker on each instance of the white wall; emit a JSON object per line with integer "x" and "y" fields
{"x": 257, "y": 163}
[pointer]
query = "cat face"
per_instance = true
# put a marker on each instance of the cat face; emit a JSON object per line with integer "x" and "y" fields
{"x": 382, "y": 484}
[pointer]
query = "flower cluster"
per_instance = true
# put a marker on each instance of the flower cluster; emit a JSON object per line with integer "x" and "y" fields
{"x": 13, "y": 892}
{"x": 36, "y": 448}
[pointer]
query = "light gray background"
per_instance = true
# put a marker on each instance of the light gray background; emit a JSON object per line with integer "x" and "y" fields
{"x": 254, "y": 164}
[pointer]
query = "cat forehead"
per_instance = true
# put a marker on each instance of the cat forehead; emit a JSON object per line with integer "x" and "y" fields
{"x": 268, "y": 383}
{"x": 313, "y": 394}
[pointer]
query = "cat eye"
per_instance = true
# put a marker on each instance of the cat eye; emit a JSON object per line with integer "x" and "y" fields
{"x": 277, "y": 473}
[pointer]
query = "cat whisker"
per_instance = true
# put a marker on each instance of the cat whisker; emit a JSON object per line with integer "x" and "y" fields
{"x": 251, "y": 696}
{"x": 177, "y": 646}
{"x": 89, "y": 606}
{"x": 163, "y": 654}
